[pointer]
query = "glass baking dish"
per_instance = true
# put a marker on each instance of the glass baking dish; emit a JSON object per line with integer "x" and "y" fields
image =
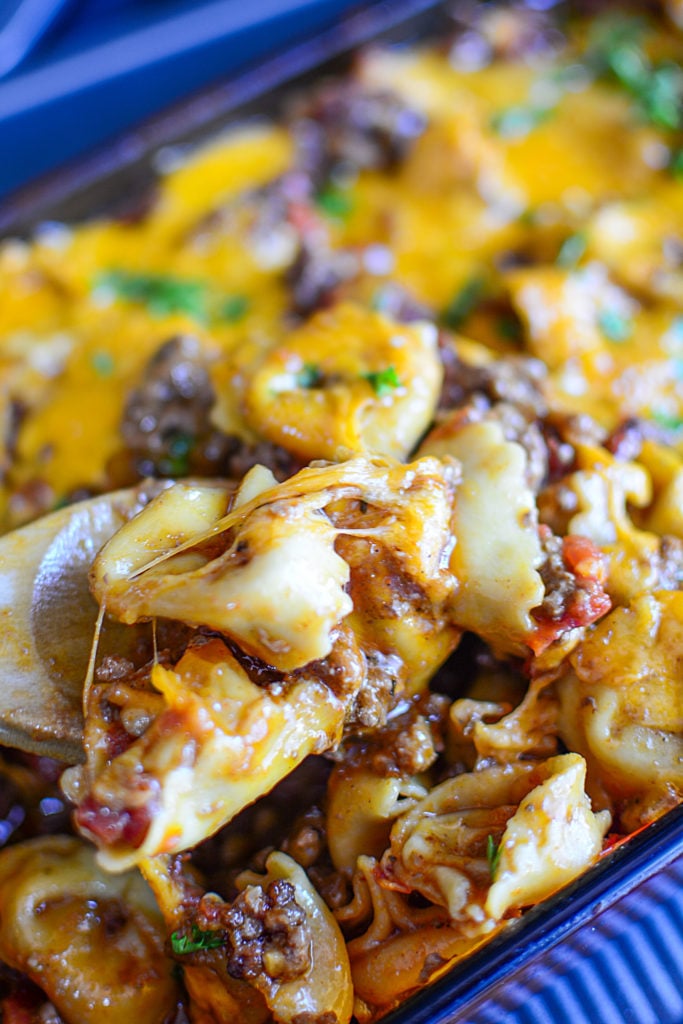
{"x": 471, "y": 990}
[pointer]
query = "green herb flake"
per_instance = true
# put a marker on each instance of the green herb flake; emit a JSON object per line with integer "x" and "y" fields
{"x": 664, "y": 97}
{"x": 102, "y": 363}
{"x": 162, "y": 294}
{"x": 493, "y": 856}
{"x": 233, "y": 309}
{"x": 380, "y": 301}
{"x": 614, "y": 326}
{"x": 509, "y": 328}
{"x": 517, "y": 122}
{"x": 465, "y": 302}
{"x": 528, "y": 218}
{"x": 676, "y": 164}
{"x": 335, "y": 203}
{"x": 657, "y": 89}
{"x": 666, "y": 420}
{"x": 629, "y": 65}
{"x": 179, "y": 450}
{"x": 197, "y": 940}
{"x": 309, "y": 376}
{"x": 383, "y": 382}
{"x": 571, "y": 251}
{"x": 616, "y": 44}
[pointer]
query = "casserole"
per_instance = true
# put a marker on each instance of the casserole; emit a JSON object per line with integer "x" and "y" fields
{"x": 665, "y": 832}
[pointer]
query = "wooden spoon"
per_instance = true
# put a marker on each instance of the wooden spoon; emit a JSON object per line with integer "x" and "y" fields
{"x": 47, "y": 621}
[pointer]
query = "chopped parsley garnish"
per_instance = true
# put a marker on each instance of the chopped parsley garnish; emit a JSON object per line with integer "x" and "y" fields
{"x": 233, "y": 309}
{"x": 662, "y": 99}
{"x": 528, "y": 218}
{"x": 666, "y": 420}
{"x": 571, "y": 251}
{"x": 309, "y": 376}
{"x": 676, "y": 164}
{"x": 465, "y": 302}
{"x": 162, "y": 294}
{"x": 179, "y": 450}
{"x": 335, "y": 203}
{"x": 196, "y": 941}
{"x": 383, "y": 382}
{"x": 509, "y": 328}
{"x": 516, "y": 122}
{"x": 492, "y": 856}
{"x": 102, "y": 363}
{"x": 379, "y": 300}
{"x": 614, "y": 326}
{"x": 611, "y": 36}
{"x": 657, "y": 88}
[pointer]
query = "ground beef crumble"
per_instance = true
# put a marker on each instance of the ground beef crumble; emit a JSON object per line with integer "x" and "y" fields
{"x": 307, "y": 840}
{"x": 167, "y": 428}
{"x": 514, "y": 379}
{"x": 168, "y": 412}
{"x": 517, "y": 427}
{"x": 560, "y": 584}
{"x": 376, "y": 695}
{"x": 356, "y": 129}
{"x": 237, "y": 458}
{"x": 265, "y": 931}
{"x": 338, "y": 130}
{"x": 574, "y": 573}
{"x": 407, "y": 744}
{"x": 306, "y": 843}
{"x": 316, "y": 274}
{"x": 286, "y": 207}
{"x": 508, "y": 391}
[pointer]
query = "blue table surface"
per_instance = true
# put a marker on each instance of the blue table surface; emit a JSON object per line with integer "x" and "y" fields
{"x": 72, "y": 75}
{"x": 625, "y": 967}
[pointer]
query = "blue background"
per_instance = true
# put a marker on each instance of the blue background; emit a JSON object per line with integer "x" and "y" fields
{"x": 86, "y": 71}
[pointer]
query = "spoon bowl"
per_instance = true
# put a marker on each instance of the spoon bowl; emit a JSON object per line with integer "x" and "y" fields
{"x": 48, "y": 617}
